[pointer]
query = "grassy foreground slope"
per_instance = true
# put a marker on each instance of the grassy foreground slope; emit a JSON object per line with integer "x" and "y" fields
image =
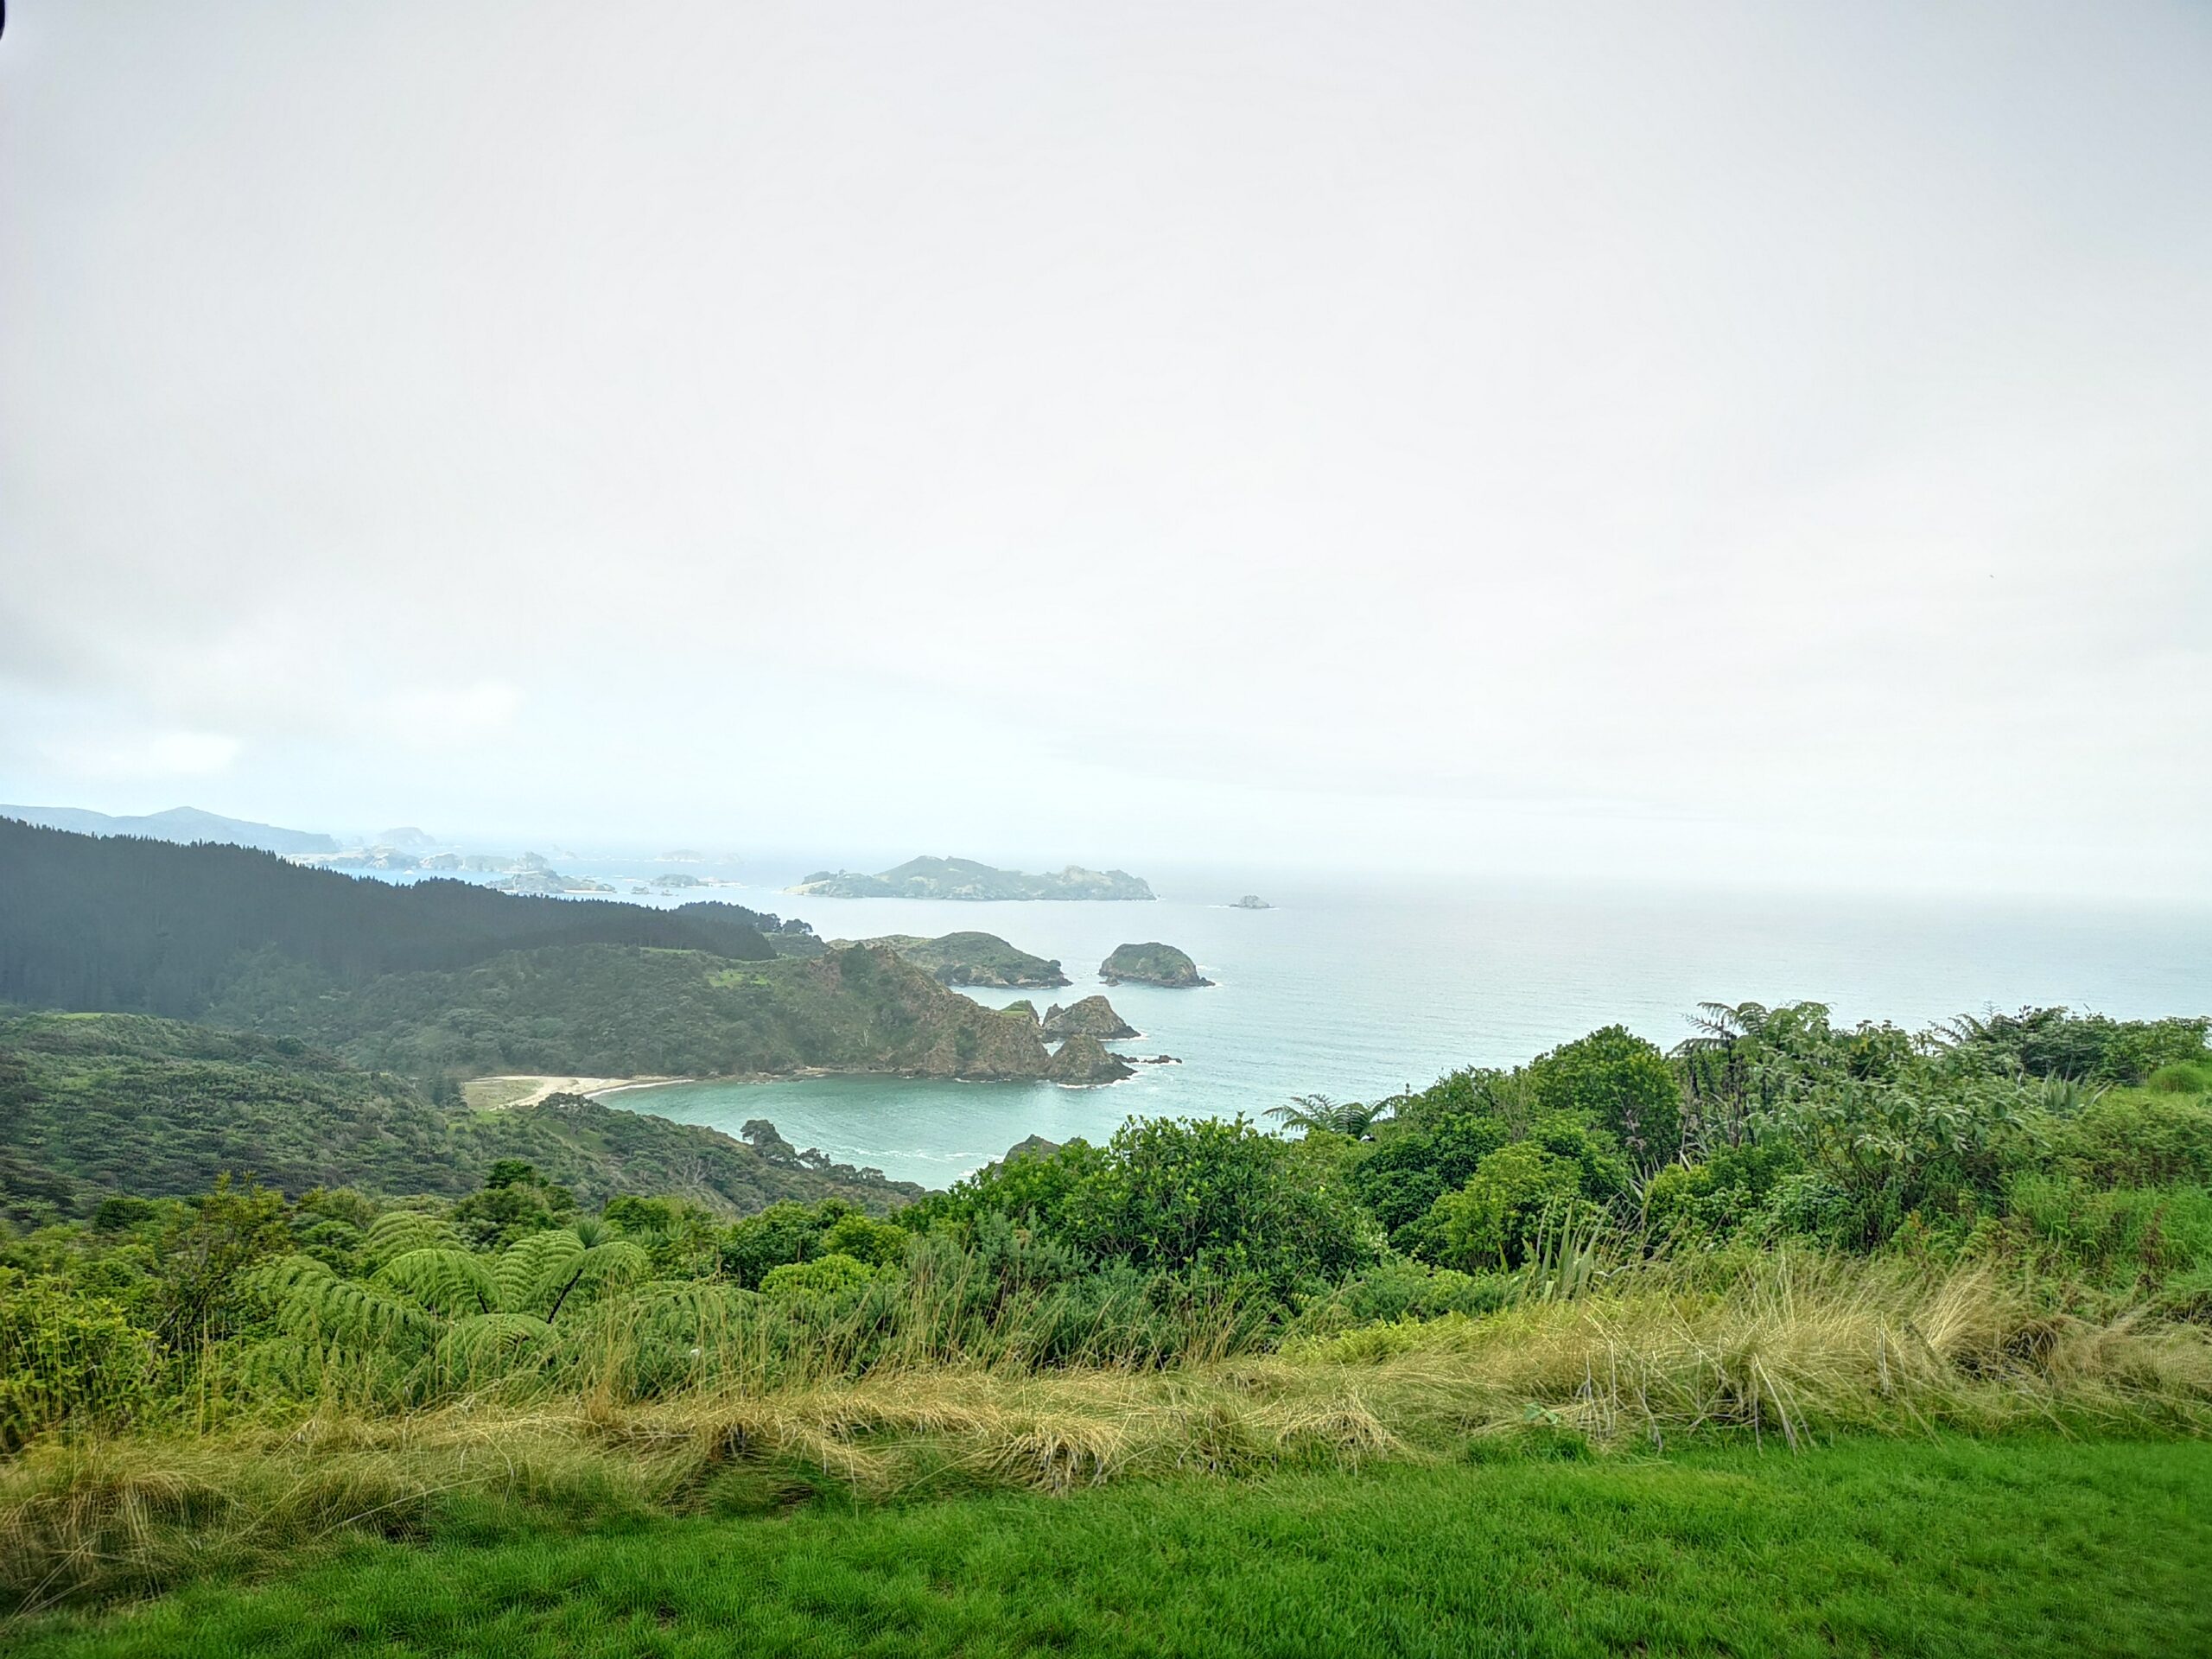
{"x": 1896, "y": 1548}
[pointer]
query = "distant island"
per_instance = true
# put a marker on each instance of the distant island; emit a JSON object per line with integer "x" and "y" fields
{"x": 981, "y": 959}
{"x": 964, "y": 879}
{"x": 1251, "y": 901}
{"x": 547, "y": 882}
{"x": 1151, "y": 963}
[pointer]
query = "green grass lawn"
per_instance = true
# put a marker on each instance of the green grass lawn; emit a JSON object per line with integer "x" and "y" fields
{"x": 1893, "y": 1548}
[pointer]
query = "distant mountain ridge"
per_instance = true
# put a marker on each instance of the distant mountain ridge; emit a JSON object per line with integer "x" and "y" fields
{"x": 965, "y": 879}
{"x": 179, "y": 823}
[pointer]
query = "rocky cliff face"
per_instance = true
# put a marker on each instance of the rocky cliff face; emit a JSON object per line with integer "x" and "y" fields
{"x": 896, "y": 1018}
{"x": 1151, "y": 963}
{"x": 1093, "y": 1016}
{"x": 1084, "y": 1058}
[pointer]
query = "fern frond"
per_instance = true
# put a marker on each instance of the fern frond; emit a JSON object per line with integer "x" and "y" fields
{"x": 531, "y": 1271}
{"x": 354, "y": 1316}
{"x": 485, "y": 1347}
{"x": 397, "y": 1231}
{"x": 276, "y": 1281}
{"x": 450, "y": 1283}
{"x": 601, "y": 1271}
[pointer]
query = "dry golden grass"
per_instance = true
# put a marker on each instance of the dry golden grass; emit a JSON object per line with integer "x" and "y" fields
{"x": 1791, "y": 1349}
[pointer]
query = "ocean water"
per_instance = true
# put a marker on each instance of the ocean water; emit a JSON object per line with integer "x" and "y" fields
{"x": 1354, "y": 991}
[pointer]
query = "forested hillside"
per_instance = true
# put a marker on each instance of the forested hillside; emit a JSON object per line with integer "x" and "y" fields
{"x": 97, "y": 1105}
{"x": 129, "y": 925}
{"x": 614, "y": 1010}
{"x": 440, "y": 979}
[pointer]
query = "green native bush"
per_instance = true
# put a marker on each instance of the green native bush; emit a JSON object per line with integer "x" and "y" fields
{"x": 445, "y": 1315}
{"x": 1219, "y": 1200}
{"x": 825, "y": 1275}
{"x": 1408, "y": 1171}
{"x": 2137, "y": 1140}
{"x": 1620, "y": 1083}
{"x": 789, "y": 1234}
{"x": 1492, "y": 1221}
{"x": 1729, "y": 1191}
{"x": 67, "y": 1360}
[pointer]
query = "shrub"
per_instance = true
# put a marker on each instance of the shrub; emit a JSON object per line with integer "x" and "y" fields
{"x": 1410, "y": 1169}
{"x": 66, "y": 1358}
{"x": 1490, "y": 1221}
{"x": 2182, "y": 1078}
{"x": 863, "y": 1238}
{"x": 2137, "y": 1140}
{"x": 1619, "y": 1082}
{"x": 1399, "y": 1289}
{"x": 1726, "y": 1192}
{"x": 781, "y": 1235}
{"x": 825, "y": 1275}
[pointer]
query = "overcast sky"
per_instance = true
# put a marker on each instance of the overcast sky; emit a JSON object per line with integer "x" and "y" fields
{"x": 1762, "y": 442}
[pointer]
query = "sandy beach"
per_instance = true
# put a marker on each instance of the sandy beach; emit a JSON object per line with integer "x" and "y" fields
{"x": 527, "y": 1089}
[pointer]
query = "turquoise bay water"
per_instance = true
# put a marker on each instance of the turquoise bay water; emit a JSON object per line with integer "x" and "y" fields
{"x": 1353, "y": 993}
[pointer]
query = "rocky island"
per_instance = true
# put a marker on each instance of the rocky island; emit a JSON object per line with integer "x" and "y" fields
{"x": 1093, "y": 1016}
{"x": 1251, "y": 901}
{"x": 548, "y": 881}
{"x": 981, "y": 959}
{"x": 964, "y": 879}
{"x": 1151, "y": 963}
{"x": 1083, "y": 1059}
